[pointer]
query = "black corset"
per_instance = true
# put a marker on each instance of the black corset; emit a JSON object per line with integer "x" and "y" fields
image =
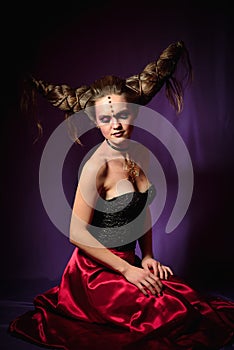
{"x": 118, "y": 222}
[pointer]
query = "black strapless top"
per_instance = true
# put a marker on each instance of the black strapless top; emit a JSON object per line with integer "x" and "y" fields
{"x": 118, "y": 222}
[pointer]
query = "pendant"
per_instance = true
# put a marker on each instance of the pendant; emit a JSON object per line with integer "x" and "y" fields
{"x": 132, "y": 168}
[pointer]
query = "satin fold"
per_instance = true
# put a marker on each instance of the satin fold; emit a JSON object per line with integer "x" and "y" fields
{"x": 93, "y": 307}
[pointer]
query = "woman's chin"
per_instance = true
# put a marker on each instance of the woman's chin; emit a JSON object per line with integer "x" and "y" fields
{"x": 120, "y": 140}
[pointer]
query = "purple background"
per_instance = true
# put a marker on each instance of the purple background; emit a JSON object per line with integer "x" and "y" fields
{"x": 77, "y": 44}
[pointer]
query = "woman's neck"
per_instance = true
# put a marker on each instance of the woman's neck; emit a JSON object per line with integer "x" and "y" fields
{"x": 117, "y": 148}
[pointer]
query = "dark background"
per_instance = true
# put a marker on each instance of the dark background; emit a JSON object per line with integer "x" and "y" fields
{"x": 75, "y": 43}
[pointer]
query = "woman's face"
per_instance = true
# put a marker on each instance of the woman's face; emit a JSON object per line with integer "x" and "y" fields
{"x": 114, "y": 117}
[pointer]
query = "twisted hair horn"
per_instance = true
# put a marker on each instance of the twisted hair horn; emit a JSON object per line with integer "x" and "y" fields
{"x": 69, "y": 100}
{"x": 146, "y": 84}
{"x": 64, "y": 97}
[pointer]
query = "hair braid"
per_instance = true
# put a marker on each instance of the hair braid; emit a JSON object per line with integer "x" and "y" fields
{"x": 160, "y": 72}
{"x": 62, "y": 96}
{"x": 67, "y": 99}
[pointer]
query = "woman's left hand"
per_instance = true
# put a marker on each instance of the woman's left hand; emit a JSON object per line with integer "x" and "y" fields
{"x": 154, "y": 266}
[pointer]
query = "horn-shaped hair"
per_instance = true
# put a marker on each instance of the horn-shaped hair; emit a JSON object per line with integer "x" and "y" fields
{"x": 160, "y": 72}
{"x": 62, "y": 96}
{"x": 139, "y": 89}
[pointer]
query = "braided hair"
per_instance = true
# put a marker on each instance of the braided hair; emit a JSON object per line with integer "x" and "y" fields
{"x": 138, "y": 89}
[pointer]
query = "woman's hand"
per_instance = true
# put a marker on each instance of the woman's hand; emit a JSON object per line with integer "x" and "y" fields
{"x": 154, "y": 266}
{"x": 144, "y": 279}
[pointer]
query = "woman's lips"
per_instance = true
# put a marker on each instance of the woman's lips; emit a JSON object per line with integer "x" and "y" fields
{"x": 118, "y": 134}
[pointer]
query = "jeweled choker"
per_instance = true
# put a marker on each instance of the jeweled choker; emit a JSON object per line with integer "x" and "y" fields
{"x": 117, "y": 148}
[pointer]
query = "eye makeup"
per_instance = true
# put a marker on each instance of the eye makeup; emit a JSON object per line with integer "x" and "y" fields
{"x": 122, "y": 115}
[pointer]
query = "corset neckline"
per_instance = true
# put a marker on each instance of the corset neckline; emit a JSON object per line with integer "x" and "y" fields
{"x": 130, "y": 193}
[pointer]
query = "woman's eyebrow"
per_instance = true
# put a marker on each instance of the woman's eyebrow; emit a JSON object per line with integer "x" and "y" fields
{"x": 116, "y": 114}
{"x": 121, "y": 112}
{"x": 104, "y": 116}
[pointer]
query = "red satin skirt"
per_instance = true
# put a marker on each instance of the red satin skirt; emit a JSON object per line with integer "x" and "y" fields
{"x": 95, "y": 308}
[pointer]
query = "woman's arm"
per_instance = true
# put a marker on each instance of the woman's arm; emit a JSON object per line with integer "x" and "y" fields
{"x": 87, "y": 192}
{"x": 145, "y": 241}
{"x": 148, "y": 262}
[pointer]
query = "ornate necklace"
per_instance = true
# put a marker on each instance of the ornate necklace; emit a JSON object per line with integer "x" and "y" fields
{"x": 129, "y": 165}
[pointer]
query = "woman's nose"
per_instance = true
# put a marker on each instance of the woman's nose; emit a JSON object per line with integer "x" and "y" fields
{"x": 116, "y": 124}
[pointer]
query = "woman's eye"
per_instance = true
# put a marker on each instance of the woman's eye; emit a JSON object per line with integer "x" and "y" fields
{"x": 105, "y": 119}
{"x": 124, "y": 116}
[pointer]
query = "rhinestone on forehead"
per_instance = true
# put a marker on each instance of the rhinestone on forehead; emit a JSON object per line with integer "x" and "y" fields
{"x": 111, "y": 107}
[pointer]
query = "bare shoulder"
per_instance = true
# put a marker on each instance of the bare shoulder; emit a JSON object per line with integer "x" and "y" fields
{"x": 95, "y": 162}
{"x": 94, "y": 169}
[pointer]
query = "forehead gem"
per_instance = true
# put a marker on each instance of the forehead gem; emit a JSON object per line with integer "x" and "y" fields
{"x": 109, "y": 100}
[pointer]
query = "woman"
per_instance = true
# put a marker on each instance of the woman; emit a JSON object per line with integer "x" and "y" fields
{"x": 107, "y": 296}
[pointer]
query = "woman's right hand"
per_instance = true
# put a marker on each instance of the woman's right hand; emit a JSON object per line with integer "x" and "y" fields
{"x": 144, "y": 280}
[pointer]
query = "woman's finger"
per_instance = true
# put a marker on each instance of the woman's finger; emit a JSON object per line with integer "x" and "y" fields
{"x": 168, "y": 268}
{"x": 142, "y": 289}
{"x": 156, "y": 282}
{"x": 166, "y": 272}
{"x": 152, "y": 288}
{"x": 161, "y": 271}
